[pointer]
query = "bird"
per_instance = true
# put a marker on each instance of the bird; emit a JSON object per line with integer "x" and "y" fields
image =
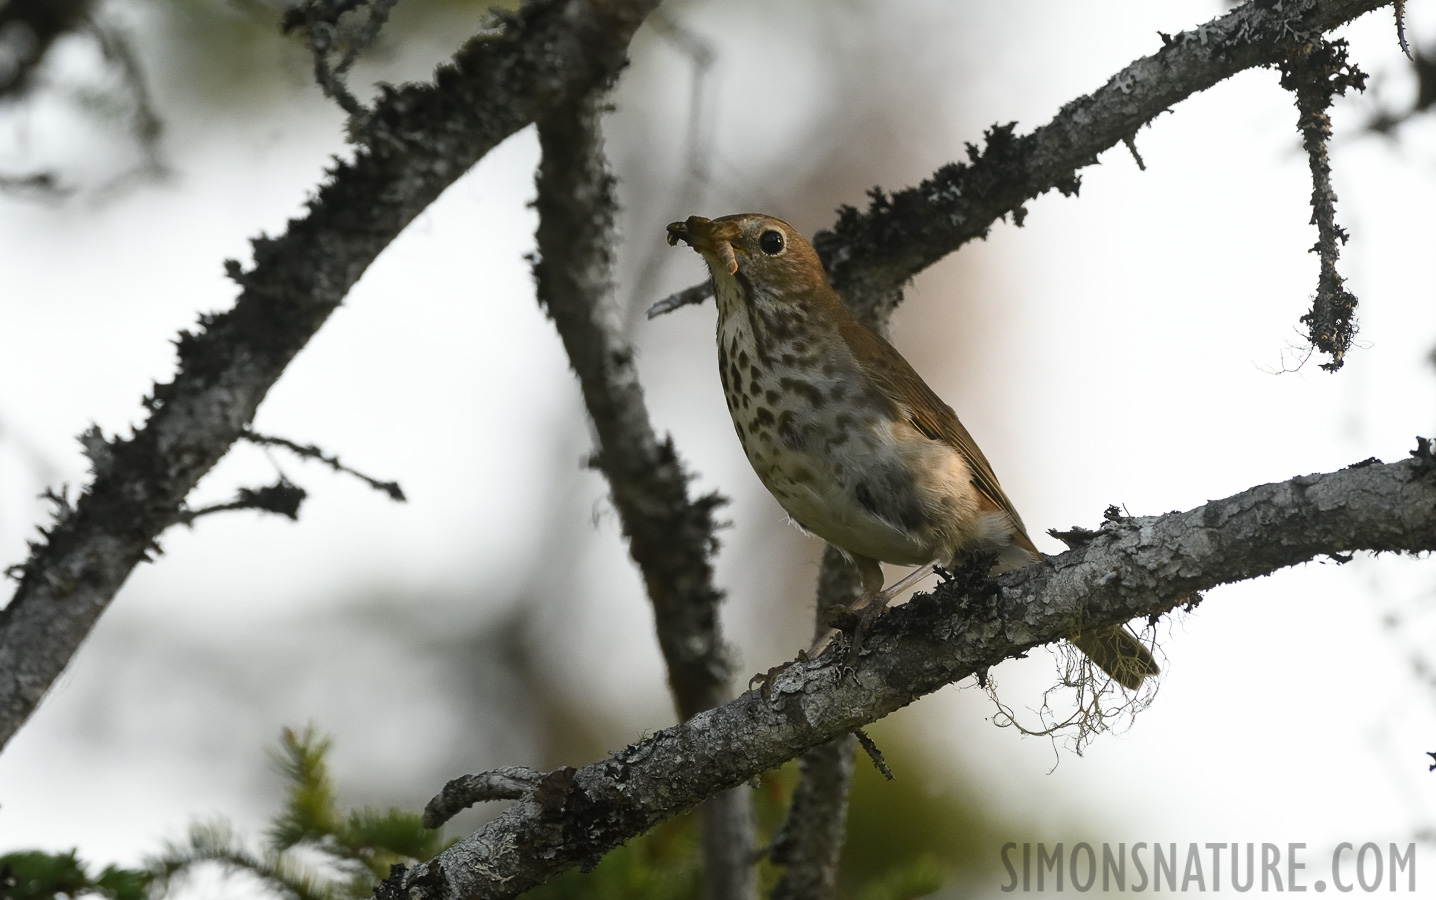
{"x": 848, "y": 438}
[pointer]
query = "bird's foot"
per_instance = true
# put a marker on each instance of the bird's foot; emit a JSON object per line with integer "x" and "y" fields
{"x": 855, "y": 622}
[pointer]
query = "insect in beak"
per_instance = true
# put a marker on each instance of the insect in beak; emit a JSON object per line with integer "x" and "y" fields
{"x": 707, "y": 237}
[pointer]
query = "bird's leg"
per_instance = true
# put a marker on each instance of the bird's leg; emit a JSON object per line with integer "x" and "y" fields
{"x": 856, "y": 619}
{"x": 909, "y": 580}
{"x": 852, "y": 620}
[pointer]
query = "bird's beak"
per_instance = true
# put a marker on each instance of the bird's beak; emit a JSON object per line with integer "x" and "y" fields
{"x": 712, "y": 239}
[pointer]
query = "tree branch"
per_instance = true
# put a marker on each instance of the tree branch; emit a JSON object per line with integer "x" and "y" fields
{"x": 281, "y": 498}
{"x": 870, "y": 255}
{"x": 507, "y": 783}
{"x": 309, "y": 451}
{"x": 320, "y": 21}
{"x": 1132, "y": 567}
{"x": 418, "y": 141}
{"x": 670, "y": 536}
{"x": 1316, "y": 73}
{"x": 811, "y": 841}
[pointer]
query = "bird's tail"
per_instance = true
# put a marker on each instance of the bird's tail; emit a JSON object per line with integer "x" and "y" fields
{"x": 1117, "y": 652}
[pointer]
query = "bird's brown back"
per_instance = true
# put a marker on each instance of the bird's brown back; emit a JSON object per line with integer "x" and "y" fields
{"x": 896, "y": 378}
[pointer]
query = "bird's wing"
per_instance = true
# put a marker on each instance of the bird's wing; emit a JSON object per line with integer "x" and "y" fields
{"x": 895, "y": 378}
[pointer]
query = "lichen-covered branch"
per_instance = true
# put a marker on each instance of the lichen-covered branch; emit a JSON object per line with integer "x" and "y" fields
{"x": 418, "y": 140}
{"x": 1316, "y": 73}
{"x": 507, "y": 783}
{"x": 1132, "y": 567}
{"x": 810, "y": 843}
{"x": 871, "y": 254}
{"x": 320, "y": 20}
{"x": 670, "y": 535}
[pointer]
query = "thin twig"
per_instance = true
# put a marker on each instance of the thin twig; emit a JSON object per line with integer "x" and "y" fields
{"x": 1399, "y": 7}
{"x": 1131, "y": 142}
{"x": 309, "y": 451}
{"x": 689, "y": 296}
{"x": 281, "y": 498}
{"x": 697, "y": 152}
{"x": 870, "y": 747}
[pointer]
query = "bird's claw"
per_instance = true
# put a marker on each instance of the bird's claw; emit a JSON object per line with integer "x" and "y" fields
{"x": 859, "y": 621}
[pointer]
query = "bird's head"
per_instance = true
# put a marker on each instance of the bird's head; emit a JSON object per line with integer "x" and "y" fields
{"x": 762, "y": 253}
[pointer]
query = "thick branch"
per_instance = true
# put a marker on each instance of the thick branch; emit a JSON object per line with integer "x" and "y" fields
{"x": 1131, "y": 567}
{"x": 417, "y": 142}
{"x": 670, "y": 535}
{"x": 870, "y": 255}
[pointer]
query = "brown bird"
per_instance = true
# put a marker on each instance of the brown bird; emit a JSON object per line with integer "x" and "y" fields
{"x": 847, "y": 437}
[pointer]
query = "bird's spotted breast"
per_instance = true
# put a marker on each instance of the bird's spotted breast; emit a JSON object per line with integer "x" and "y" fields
{"x": 820, "y": 457}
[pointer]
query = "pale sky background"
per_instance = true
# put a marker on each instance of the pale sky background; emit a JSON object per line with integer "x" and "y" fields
{"x": 1119, "y": 348}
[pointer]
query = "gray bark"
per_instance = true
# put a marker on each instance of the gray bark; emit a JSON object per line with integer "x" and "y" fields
{"x": 1131, "y": 567}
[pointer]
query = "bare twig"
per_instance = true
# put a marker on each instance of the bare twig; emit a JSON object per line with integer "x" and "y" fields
{"x": 687, "y": 297}
{"x": 1400, "y": 9}
{"x": 418, "y": 141}
{"x": 697, "y": 153}
{"x": 670, "y": 535}
{"x": 281, "y": 498}
{"x": 1140, "y": 566}
{"x": 870, "y": 747}
{"x": 870, "y": 255}
{"x": 309, "y": 451}
{"x": 1131, "y": 142}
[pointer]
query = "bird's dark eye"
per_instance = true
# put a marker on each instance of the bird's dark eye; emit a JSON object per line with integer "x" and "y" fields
{"x": 771, "y": 242}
